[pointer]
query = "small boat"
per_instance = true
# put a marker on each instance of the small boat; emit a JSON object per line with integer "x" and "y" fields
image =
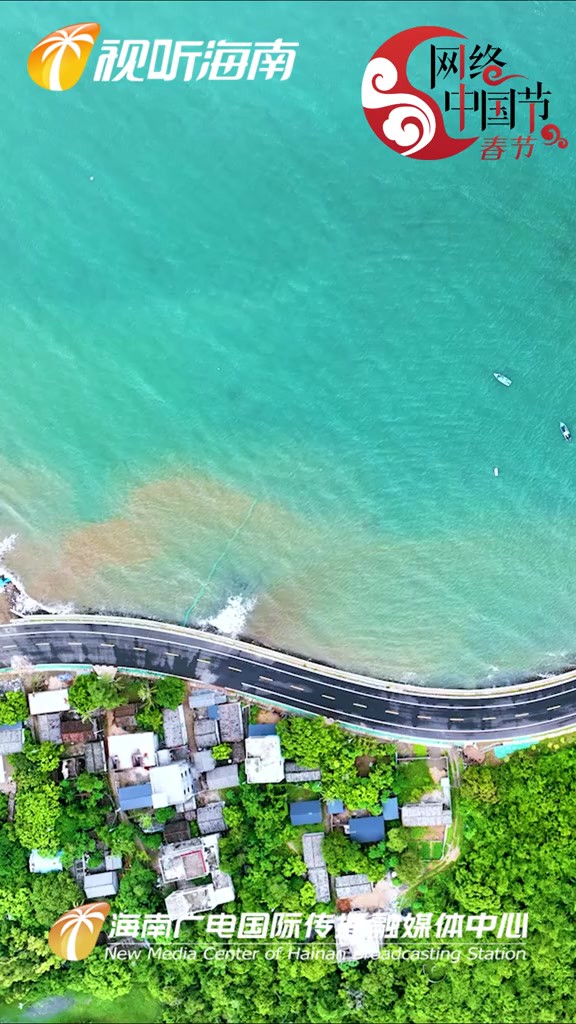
{"x": 496, "y": 470}
{"x": 565, "y": 432}
{"x": 503, "y": 380}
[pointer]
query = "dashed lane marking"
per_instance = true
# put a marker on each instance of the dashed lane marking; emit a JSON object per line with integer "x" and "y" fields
{"x": 326, "y": 695}
{"x": 234, "y": 669}
{"x": 359, "y": 705}
{"x": 265, "y": 679}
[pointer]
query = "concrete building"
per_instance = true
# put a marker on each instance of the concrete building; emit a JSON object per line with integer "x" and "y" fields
{"x": 356, "y": 936}
{"x": 225, "y": 777}
{"x": 173, "y": 785}
{"x": 264, "y": 762}
{"x": 175, "y": 734}
{"x": 132, "y": 750}
{"x": 100, "y": 884}
{"x": 195, "y": 858}
{"x": 200, "y": 899}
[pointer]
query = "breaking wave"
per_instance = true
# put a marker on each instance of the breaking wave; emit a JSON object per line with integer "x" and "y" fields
{"x": 231, "y": 620}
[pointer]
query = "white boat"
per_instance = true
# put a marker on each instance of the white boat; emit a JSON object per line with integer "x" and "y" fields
{"x": 503, "y": 380}
{"x": 565, "y": 432}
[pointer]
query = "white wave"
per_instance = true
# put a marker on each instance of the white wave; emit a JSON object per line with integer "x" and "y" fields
{"x": 232, "y": 619}
{"x": 22, "y": 603}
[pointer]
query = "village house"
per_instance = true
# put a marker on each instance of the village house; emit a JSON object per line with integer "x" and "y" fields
{"x": 264, "y": 762}
{"x": 95, "y": 756}
{"x": 432, "y": 809}
{"x": 225, "y": 777}
{"x": 210, "y": 818}
{"x": 132, "y": 750}
{"x": 316, "y": 865}
{"x": 135, "y": 798}
{"x": 197, "y": 858}
{"x": 173, "y": 785}
{"x": 356, "y": 936}
{"x": 47, "y": 702}
{"x": 174, "y": 724}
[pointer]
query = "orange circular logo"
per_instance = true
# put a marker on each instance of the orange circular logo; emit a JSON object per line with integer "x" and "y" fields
{"x": 58, "y": 60}
{"x": 75, "y": 934}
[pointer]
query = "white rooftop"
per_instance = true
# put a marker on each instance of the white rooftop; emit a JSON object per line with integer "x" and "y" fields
{"x": 131, "y": 748}
{"x": 264, "y": 762}
{"x": 184, "y": 903}
{"x": 40, "y": 865}
{"x": 356, "y": 937}
{"x": 47, "y": 702}
{"x": 172, "y": 784}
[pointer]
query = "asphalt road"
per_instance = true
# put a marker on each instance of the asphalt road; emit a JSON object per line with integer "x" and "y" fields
{"x": 397, "y": 711}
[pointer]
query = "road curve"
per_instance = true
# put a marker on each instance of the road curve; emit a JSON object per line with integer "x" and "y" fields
{"x": 546, "y": 706}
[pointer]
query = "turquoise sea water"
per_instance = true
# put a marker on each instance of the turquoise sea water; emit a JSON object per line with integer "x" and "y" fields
{"x": 254, "y": 299}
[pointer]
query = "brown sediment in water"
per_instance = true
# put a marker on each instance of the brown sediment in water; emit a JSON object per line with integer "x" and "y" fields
{"x": 188, "y": 518}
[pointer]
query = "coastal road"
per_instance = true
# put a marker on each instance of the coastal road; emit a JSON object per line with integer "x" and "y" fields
{"x": 417, "y": 713}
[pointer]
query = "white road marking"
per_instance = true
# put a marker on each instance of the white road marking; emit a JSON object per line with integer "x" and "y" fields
{"x": 429, "y": 717}
{"x": 360, "y": 705}
{"x": 554, "y": 707}
{"x": 326, "y": 695}
{"x": 234, "y": 669}
{"x": 266, "y": 679}
{"x": 525, "y": 714}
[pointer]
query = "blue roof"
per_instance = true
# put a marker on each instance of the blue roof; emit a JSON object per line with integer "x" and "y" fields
{"x": 306, "y": 812}
{"x": 335, "y": 806}
{"x": 131, "y": 798}
{"x": 367, "y": 830}
{"x": 265, "y": 729}
{"x": 213, "y": 712}
{"x": 390, "y": 809}
{"x": 11, "y": 728}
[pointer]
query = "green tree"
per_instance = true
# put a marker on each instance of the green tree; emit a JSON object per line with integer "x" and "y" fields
{"x": 222, "y": 752}
{"x": 52, "y": 895}
{"x": 91, "y": 692}
{"x": 150, "y": 718}
{"x": 479, "y": 783}
{"x": 397, "y": 840}
{"x": 412, "y": 780}
{"x": 13, "y": 707}
{"x": 37, "y": 816}
{"x": 169, "y": 692}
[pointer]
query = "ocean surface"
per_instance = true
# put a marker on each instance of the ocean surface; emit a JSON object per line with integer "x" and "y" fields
{"x": 247, "y": 350}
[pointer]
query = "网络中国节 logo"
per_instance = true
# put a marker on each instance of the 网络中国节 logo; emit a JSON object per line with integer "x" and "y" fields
{"x": 472, "y": 97}
{"x": 74, "y": 935}
{"x": 57, "y": 61}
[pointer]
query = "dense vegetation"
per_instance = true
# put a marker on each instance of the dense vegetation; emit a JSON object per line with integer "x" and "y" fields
{"x": 312, "y": 743}
{"x": 518, "y": 853}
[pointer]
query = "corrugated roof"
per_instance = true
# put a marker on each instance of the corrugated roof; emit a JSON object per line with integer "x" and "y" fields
{"x": 132, "y": 798}
{"x": 367, "y": 830}
{"x": 335, "y": 806}
{"x": 390, "y": 809}
{"x": 262, "y": 729}
{"x": 306, "y": 812}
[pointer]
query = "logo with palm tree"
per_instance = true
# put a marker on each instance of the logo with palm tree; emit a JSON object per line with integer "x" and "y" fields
{"x": 58, "y": 61}
{"x": 75, "y": 934}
